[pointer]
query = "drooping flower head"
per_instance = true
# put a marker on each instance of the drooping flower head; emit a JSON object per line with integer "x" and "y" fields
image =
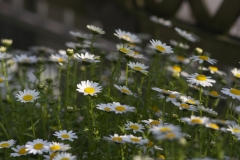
{"x": 95, "y": 30}
{"x": 185, "y": 35}
{"x": 127, "y": 36}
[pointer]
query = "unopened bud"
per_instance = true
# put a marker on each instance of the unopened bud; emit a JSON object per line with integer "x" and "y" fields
{"x": 7, "y": 42}
{"x": 70, "y": 52}
{"x": 198, "y": 50}
{"x": 40, "y": 86}
{"x": 176, "y": 75}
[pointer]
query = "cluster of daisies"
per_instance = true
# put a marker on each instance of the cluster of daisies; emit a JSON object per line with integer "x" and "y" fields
{"x": 187, "y": 90}
{"x": 49, "y": 150}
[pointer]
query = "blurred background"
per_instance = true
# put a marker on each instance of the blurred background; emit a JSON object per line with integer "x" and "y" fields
{"x": 48, "y": 22}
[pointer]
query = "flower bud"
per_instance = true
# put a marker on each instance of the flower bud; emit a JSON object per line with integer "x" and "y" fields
{"x": 40, "y": 86}
{"x": 198, "y": 50}
{"x": 70, "y": 52}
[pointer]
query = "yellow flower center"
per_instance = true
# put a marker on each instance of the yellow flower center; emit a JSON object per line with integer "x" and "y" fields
{"x": 107, "y": 109}
{"x": 65, "y": 136}
{"x": 89, "y": 90}
{"x": 196, "y": 121}
{"x": 27, "y": 97}
{"x": 160, "y": 48}
{"x": 22, "y": 151}
{"x": 180, "y": 58}
{"x": 176, "y": 68}
{"x": 125, "y": 91}
{"x": 123, "y": 50}
{"x": 135, "y": 139}
{"x": 235, "y": 91}
{"x": 4, "y": 145}
{"x": 38, "y": 146}
{"x": 214, "y": 69}
{"x": 55, "y": 148}
{"x": 184, "y": 105}
{"x": 60, "y": 60}
{"x": 236, "y": 130}
{"x": 154, "y": 122}
{"x": 214, "y": 93}
{"x": 137, "y": 68}
{"x": 134, "y": 127}
{"x": 126, "y": 37}
{"x": 172, "y": 96}
{"x": 117, "y": 139}
{"x": 170, "y": 135}
{"x": 53, "y": 155}
{"x": 237, "y": 75}
{"x": 120, "y": 108}
{"x": 161, "y": 157}
{"x": 201, "y": 77}
{"x": 149, "y": 144}
{"x": 1, "y": 80}
{"x": 213, "y": 126}
{"x": 205, "y": 58}
{"x": 136, "y": 53}
{"x": 65, "y": 158}
{"x": 191, "y": 101}
{"x": 165, "y": 129}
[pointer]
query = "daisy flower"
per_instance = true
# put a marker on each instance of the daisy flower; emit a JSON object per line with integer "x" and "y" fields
{"x": 55, "y": 146}
{"x": 236, "y": 72}
{"x": 64, "y": 156}
{"x": 88, "y": 58}
{"x": 163, "y": 129}
{"x": 179, "y": 59}
{"x": 60, "y": 58}
{"x": 172, "y": 97}
{"x": 166, "y": 23}
{"x": 125, "y": 49}
{"x": 188, "y": 100}
{"x": 223, "y": 122}
{"x": 163, "y": 91}
{"x": 214, "y": 70}
{"x": 208, "y": 110}
{"x": 133, "y": 55}
{"x": 20, "y": 150}
{"x": 138, "y": 67}
{"x": 115, "y": 138}
{"x": 185, "y": 106}
{"x": 127, "y": 36}
{"x": 203, "y": 58}
{"x": 119, "y": 108}
{"x": 233, "y": 92}
{"x": 169, "y": 136}
{"x": 136, "y": 127}
{"x": 185, "y": 35}
{"x": 2, "y": 55}
{"x": 151, "y": 122}
{"x": 95, "y": 30}
{"x": 179, "y": 44}
{"x": 196, "y": 120}
{"x": 65, "y": 135}
{"x": 79, "y": 35}
{"x": 7, "y": 144}
{"x": 212, "y": 126}
{"x": 161, "y": 47}
{"x": 50, "y": 156}
{"x": 234, "y": 129}
{"x": 200, "y": 79}
{"x": 124, "y": 89}
{"x": 135, "y": 140}
{"x": 23, "y": 58}
{"x": 2, "y": 80}
{"x": 104, "y": 107}
{"x": 89, "y": 88}
{"x": 27, "y": 95}
{"x": 214, "y": 94}
{"x": 37, "y": 146}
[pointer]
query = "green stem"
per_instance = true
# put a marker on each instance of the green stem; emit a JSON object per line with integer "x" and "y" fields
{"x": 126, "y": 82}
